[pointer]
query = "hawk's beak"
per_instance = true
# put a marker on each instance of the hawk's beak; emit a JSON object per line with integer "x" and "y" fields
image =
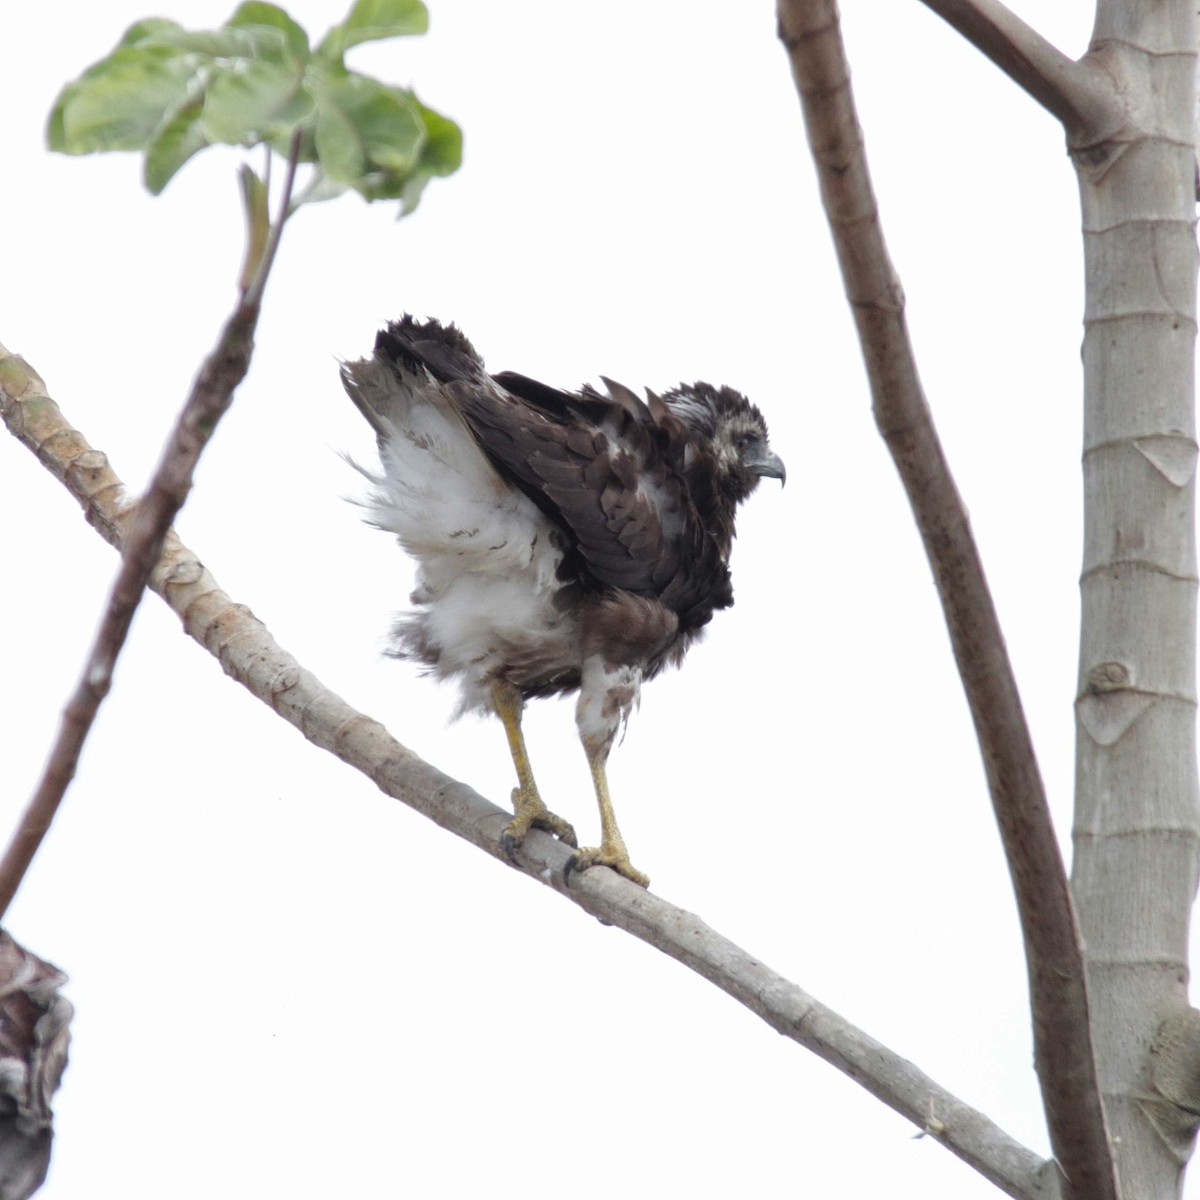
{"x": 767, "y": 463}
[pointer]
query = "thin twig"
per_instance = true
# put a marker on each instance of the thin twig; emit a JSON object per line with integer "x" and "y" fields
{"x": 210, "y": 397}
{"x": 1062, "y": 1030}
{"x": 248, "y": 653}
{"x": 1077, "y": 93}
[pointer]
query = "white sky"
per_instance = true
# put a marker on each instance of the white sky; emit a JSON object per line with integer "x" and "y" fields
{"x": 288, "y": 984}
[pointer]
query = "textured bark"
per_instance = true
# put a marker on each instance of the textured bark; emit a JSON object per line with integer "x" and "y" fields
{"x": 34, "y": 1034}
{"x": 248, "y": 654}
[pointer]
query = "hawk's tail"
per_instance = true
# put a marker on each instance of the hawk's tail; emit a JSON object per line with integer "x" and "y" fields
{"x": 411, "y": 359}
{"x": 443, "y": 350}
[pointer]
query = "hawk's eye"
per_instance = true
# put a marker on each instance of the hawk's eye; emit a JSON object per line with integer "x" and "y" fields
{"x": 743, "y": 440}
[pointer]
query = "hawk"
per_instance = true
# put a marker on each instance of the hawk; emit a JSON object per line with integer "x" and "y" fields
{"x": 565, "y": 541}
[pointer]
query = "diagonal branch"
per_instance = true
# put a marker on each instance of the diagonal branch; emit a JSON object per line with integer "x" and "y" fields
{"x": 1075, "y": 92}
{"x": 248, "y": 653}
{"x": 1058, "y": 991}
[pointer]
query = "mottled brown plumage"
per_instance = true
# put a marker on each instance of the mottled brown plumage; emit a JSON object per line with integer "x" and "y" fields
{"x": 565, "y": 540}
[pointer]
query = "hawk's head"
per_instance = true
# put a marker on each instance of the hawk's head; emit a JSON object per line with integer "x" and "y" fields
{"x": 730, "y": 429}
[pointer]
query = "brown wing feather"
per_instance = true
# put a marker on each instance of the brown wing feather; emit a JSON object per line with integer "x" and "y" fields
{"x": 609, "y": 472}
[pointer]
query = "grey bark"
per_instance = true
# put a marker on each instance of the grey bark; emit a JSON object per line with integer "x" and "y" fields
{"x": 1136, "y": 820}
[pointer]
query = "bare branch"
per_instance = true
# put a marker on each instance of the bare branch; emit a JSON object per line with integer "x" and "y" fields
{"x": 1062, "y": 1028}
{"x": 248, "y": 653}
{"x": 1075, "y": 92}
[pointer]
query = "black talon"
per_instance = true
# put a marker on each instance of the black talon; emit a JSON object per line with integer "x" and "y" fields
{"x": 568, "y": 867}
{"x": 510, "y": 845}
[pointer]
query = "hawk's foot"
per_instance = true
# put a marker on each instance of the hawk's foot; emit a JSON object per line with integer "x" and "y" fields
{"x": 532, "y": 813}
{"x": 598, "y": 856}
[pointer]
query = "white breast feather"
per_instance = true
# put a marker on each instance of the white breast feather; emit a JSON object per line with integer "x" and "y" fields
{"x": 487, "y": 565}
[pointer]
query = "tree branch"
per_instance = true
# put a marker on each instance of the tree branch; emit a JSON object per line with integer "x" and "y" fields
{"x": 247, "y": 652}
{"x": 1062, "y": 1029}
{"x": 1076, "y": 93}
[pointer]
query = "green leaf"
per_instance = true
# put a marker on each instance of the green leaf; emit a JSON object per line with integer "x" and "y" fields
{"x": 365, "y": 129}
{"x": 178, "y": 137}
{"x": 121, "y": 101}
{"x": 150, "y": 28}
{"x": 319, "y": 189}
{"x": 256, "y": 30}
{"x": 257, "y": 15}
{"x": 440, "y": 155}
{"x": 373, "y": 21}
{"x": 171, "y": 92}
{"x": 218, "y": 43}
{"x": 254, "y": 102}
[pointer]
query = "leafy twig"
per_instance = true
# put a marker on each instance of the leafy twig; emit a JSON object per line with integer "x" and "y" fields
{"x": 1058, "y": 987}
{"x": 250, "y": 655}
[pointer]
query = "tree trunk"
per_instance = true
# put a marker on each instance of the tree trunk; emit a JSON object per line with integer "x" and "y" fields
{"x": 1136, "y": 821}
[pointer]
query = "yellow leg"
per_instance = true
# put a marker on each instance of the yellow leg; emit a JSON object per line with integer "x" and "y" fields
{"x": 611, "y": 851}
{"x": 531, "y": 812}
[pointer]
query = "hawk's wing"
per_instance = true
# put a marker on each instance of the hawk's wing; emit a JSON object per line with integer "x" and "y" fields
{"x": 610, "y": 469}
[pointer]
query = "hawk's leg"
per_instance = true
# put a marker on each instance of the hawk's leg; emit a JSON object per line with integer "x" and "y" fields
{"x": 606, "y": 697}
{"x": 531, "y": 812}
{"x": 611, "y": 852}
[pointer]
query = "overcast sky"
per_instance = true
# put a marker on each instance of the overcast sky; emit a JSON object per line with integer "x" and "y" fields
{"x": 288, "y": 984}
